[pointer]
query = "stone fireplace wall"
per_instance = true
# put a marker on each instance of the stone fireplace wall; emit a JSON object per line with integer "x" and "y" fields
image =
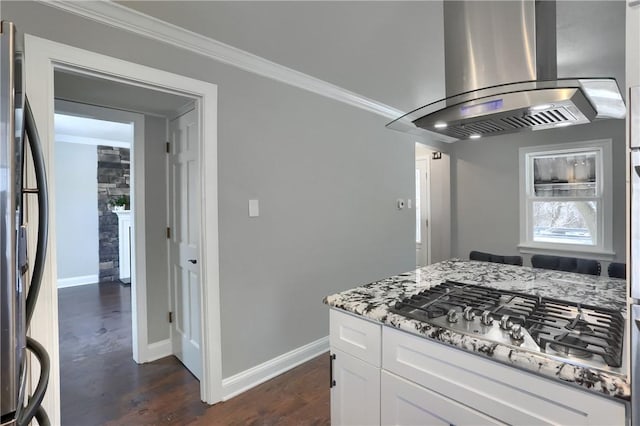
{"x": 113, "y": 181}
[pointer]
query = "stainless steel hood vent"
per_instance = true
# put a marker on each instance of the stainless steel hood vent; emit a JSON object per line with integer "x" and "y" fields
{"x": 501, "y": 76}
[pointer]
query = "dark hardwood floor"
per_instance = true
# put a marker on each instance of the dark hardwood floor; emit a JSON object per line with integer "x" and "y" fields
{"x": 101, "y": 384}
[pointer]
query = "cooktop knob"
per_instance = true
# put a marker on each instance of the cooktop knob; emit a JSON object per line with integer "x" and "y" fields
{"x": 517, "y": 333}
{"x": 505, "y": 322}
{"x": 486, "y": 318}
{"x": 468, "y": 313}
{"x": 452, "y": 315}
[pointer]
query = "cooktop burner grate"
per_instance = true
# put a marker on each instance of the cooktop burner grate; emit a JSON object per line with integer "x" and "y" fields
{"x": 558, "y": 327}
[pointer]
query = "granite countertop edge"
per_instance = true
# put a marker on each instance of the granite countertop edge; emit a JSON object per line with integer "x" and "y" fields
{"x": 366, "y": 301}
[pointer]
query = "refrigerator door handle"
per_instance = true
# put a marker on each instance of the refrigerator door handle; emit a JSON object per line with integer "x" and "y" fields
{"x": 43, "y": 208}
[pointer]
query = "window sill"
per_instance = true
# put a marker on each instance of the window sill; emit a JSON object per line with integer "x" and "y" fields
{"x": 573, "y": 251}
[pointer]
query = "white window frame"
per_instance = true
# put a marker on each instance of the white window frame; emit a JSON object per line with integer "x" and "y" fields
{"x": 603, "y": 249}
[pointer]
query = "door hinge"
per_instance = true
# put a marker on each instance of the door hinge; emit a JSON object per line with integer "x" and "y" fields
{"x": 168, "y": 232}
{"x": 168, "y": 147}
{"x": 170, "y": 317}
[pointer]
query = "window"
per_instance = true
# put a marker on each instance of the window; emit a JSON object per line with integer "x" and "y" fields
{"x": 565, "y": 193}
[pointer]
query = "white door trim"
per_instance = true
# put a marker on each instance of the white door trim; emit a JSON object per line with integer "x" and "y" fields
{"x": 42, "y": 57}
{"x": 425, "y": 153}
{"x": 424, "y": 208}
{"x": 428, "y": 210}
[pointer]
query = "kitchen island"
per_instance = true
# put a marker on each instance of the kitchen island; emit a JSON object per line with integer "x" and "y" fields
{"x": 369, "y": 306}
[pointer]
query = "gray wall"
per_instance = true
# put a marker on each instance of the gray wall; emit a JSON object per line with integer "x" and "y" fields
{"x": 155, "y": 130}
{"x": 327, "y": 176}
{"x": 76, "y": 209}
{"x": 485, "y": 186}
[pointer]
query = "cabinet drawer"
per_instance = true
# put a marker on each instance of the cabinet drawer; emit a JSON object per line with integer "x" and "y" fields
{"x": 405, "y": 403}
{"x": 499, "y": 391}
{"x": 355, "y": 336}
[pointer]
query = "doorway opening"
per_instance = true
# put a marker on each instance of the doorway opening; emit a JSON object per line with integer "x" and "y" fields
{"x": 423, "y": 205}
{"x": 92, "y": 173}
{"x": 117, "y": 135}
{"x": 43, "y": 58}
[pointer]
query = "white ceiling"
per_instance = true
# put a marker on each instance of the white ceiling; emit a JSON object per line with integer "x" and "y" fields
{"x": 389, "y": 51}
{"x": 90, "y": 131}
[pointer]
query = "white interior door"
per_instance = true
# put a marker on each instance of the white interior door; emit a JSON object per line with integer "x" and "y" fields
{"x": 422, "y": 198}
{"x": 184, "y": 240}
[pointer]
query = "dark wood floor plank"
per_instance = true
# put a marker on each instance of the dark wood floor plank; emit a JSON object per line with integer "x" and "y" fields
{"x": 101, "y": 384}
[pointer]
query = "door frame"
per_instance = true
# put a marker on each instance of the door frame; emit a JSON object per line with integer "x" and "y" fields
{"x": 42, "y": 58}
{"x": 425, "y": 210}
{"x": 423, "y": 152}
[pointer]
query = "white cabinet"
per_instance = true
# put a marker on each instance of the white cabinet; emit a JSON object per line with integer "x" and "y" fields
{"x": 355, "y": 396}
{"x": 386, "y": 376}
{"x": 404, "y": 403}
{"x": 494, "y": 389}
{"x": 355, "y": 370}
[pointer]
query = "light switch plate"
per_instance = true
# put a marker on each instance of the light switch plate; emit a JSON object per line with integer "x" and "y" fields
{"x": 254, "y": 208}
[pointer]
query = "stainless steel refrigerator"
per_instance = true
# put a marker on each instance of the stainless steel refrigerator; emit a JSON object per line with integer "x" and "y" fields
{"x": 17, "y": 297}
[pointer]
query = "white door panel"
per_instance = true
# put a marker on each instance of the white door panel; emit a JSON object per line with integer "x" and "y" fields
{"x": 185, "y": 240}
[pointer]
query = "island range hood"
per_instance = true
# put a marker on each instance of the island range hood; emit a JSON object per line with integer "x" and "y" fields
{"x": 501, "y": 76}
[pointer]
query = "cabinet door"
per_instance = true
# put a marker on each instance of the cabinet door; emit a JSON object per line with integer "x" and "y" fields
{"x": 405, "y": 403}
{"x": 355, "y": 396}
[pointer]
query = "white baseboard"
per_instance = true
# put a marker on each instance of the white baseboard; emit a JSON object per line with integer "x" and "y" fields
{"x": 254, "y": 376}
{"x": 158, "y": 350}
{"x": 75, "y": 281}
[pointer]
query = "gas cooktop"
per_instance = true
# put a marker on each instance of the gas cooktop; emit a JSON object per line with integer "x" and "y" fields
{"x": 576, "y": 332}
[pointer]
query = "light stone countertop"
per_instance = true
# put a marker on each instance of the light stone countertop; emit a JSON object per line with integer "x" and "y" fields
{"x": 372, "y": 301}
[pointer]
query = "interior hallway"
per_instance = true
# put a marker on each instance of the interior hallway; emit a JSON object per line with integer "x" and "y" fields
{"x": 101, "y": 384}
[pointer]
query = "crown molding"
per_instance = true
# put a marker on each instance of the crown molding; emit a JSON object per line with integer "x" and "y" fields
{"x": 118, "y": 16}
